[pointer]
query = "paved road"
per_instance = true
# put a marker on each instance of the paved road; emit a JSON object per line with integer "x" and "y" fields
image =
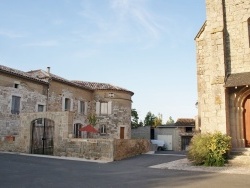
{"x": 28, "y": 171}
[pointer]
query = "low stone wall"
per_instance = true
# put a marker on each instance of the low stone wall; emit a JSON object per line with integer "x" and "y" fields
{"x": 95, "y": 149}
{"x": 125, "y": 148}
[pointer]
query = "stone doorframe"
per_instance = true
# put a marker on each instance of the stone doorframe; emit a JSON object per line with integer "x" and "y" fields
{"x": 62, "y": 123}
{"x": 237, "y": 118}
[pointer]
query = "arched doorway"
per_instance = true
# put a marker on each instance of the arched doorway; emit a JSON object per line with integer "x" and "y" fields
{"x": 42, "y": 136}
{"x": 246, "y": 116}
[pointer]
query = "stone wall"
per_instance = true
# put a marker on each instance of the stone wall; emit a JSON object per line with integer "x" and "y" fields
{"x": 141, "y": 132}
{"x": 223, "y": 48}
{"x": 124, "y": 148}
{"x": 211, "y": 70}
{"x": 95, "y": 149}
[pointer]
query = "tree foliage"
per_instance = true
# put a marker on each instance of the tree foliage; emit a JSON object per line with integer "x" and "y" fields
{"x": 170, "y": 120}
{"x": 134, "y": 119}
{"x": 149, "y": 119}
{"x": 158, "y": 120}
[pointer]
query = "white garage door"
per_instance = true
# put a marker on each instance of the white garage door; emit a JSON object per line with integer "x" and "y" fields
{"x": 167, "y": 140}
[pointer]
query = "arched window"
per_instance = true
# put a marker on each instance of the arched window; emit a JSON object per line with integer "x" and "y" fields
{"x": 103, "y": 129}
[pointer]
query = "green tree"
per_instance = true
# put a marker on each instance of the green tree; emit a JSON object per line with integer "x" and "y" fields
{"x": 170, "y": 120}
{"x": 134, "y": 119}
{"x": 149, "y": 119}
{"x": 158, "y": 120}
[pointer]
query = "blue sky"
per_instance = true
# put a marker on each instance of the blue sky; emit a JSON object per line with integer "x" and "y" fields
{"x": 146, "y": 46}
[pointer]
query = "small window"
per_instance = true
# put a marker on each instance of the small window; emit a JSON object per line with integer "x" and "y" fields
{"x": 67, "y": 104}
{"x": 104, "y": 108}
{"x": 103, "y": 129}
{"x": 111, "y": 95}
{"x": 77, "y": 133}
{"x": 15, "y": 106}
{"x": 16, "y": 86}
{"x": 189, "y": 129}
{"x": 40, "y": 108}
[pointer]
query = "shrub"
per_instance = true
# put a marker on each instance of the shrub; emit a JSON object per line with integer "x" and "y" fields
{"x": 209, "y": 149}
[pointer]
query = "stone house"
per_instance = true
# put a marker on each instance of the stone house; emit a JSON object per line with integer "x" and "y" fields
{"x": 42, "y": 113}
{"x": 223, "y": 70}
{"x": 176, "y": 136}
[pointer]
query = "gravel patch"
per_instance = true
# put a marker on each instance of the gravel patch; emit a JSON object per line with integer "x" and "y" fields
{"x": 238, "y": 165}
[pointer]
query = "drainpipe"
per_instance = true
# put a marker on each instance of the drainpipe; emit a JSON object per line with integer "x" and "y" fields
{"x": 49, "y": 80}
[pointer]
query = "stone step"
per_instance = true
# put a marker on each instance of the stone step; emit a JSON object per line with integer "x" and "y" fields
{"x": 240, "y": 151}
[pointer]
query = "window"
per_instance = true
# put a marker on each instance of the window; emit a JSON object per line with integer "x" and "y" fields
{"x": 16, "y": 85}
{"x": 40, "y": 108}
{"x": 111, "y": 95}
{"x": 103, "y": 129}
{"x": 77, "y": 133}
{"x": 15, "y": 106}
{"x": 189, "y": 129}
{"x": 67, "y": 104}
{"x": 104, "y": 108}
{"x": 82, "y": 107}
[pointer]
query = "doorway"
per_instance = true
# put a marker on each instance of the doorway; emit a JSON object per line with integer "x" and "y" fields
{"x": 247, "y": 121}
{"x": 121, "y": 132}
{"x": 42, "y": 141}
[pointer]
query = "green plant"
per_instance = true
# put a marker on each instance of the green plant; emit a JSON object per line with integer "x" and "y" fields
{"x": 209, "y": 149}
{"x": 92, "y": 119}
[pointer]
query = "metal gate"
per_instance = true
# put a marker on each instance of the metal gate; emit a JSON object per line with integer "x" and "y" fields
{"x": 185, "y": 140}
{"x": 42, "y": 137}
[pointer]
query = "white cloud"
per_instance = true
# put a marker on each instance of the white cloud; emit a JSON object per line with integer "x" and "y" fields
{"x": 123, "y": 21}
{"x": 48, "y": 43}
{"x": 10, "y": 34}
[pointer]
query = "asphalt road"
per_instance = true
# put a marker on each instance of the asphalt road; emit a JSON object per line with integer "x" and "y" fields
{"x": 19, "y": 171}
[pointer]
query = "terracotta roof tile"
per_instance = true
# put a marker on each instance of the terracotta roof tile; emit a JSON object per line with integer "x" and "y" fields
{"x": 101, "y": 86}
{"x": 43, "y": 76}
{"x": 21, "y": 74}
{"x": 185, "y": 122}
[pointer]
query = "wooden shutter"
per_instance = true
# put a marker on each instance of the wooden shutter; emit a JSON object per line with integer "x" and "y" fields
{"x": 97, "y": 108}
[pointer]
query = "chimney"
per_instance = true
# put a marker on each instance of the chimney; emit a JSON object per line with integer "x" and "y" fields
{"x": 48, "y": 69}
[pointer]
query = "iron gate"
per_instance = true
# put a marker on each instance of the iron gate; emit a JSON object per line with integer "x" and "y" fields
{"x": 42, "y": 137}
{"x": 185, "y": 140}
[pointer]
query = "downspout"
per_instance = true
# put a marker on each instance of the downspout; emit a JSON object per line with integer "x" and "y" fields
{"x": 49, "y": 80}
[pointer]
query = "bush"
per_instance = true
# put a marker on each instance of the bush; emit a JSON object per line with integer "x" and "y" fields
{"x": 209, "y": 149}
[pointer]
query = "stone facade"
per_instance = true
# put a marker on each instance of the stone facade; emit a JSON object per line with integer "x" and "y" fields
{"x": 222, "y": 48}
{"x": 67, "y": 104}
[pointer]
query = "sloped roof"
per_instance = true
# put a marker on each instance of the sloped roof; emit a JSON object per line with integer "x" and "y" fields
{"x": 201, "y": 30}
{"x": 185, "y": 122}
{"x": 101, "y": 86}
{"x": 238, "y": 79}
{"x": 21, "y": 74}
{"x": 43, "y": 76}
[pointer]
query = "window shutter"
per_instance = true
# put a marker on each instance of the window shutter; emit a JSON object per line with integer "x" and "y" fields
{"x": 97, "y": 108}
{"x": 85, "y": 108}
{"x": 71, "y": 104}
{"x": 110, "y": 107}
{"x": 79, "y": 107}
{"x": 63, "y": 103}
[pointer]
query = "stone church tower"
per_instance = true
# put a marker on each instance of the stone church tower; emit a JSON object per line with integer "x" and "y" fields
{"x": 223, "y": 70}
